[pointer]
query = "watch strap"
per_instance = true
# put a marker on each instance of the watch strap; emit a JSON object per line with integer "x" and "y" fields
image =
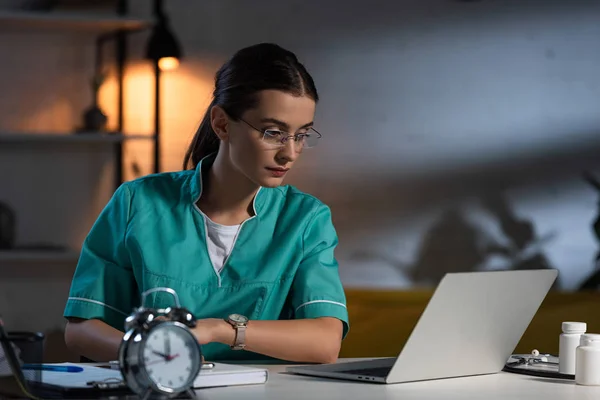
{"x": 240, "y": 337}
{"x": 240, "y": 334}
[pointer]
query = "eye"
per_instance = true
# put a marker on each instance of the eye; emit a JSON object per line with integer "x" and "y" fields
{"x": 273, "y": 133}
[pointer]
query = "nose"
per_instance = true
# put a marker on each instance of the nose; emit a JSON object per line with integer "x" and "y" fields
{"x": 288, "y": 152}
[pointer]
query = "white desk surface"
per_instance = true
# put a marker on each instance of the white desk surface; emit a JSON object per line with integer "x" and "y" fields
{"x": 501, "y": 386}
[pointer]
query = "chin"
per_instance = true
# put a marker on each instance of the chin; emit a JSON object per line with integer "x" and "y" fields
{"x": 271, "y": 183}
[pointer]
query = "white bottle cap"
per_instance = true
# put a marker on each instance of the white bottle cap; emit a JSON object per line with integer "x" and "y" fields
{"x": 590, "y": 339}
{"x": 574, "y": 327}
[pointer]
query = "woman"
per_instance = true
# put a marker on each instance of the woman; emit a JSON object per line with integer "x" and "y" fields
{"x": 224, "y": 234}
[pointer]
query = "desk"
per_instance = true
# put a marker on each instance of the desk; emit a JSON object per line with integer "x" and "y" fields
{"x": 501, "y": 386}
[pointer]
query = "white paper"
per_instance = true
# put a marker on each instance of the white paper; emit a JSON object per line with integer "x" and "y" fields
{"x": 221, "y": 375}
{"x": 80, "y": 379}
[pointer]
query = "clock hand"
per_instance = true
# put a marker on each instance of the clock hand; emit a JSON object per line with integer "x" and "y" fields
{"x": 155, "y": 361}
{"x": 165, "y": 356}
{"x": 168, "y": 345}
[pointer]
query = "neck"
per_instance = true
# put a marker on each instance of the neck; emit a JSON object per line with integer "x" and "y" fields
{"x": 226, "y": 192}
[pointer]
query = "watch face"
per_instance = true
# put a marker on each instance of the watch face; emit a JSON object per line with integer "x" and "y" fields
{"x": 237, "y": 318}
{"x": 171, "y": 357}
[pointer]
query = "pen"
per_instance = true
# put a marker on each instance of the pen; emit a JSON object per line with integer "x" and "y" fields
{"x": 115, "y": 365}
{"x": 110, "y": 365}
{"x": 53, "y": 368}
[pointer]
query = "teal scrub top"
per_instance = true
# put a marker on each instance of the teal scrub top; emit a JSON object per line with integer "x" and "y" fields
{"x": 152, "y": 234}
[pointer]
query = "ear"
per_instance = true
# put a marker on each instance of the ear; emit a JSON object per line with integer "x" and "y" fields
{"x": 219, "y": 122}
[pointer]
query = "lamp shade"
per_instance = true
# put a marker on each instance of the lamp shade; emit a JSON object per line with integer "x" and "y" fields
{"x": 163, "y": 47}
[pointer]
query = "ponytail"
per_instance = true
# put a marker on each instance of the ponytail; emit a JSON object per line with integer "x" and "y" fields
{"x": 205, "y": 142}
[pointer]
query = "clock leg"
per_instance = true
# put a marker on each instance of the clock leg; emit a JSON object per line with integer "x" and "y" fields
{"x": 191, "y": 393}
{"x": 148, "y": 394}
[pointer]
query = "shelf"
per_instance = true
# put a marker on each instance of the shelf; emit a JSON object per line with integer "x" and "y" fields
{"x": 38, "y": 256}
{"x": 69, "y": 21}
{"x": 54, "y": 137}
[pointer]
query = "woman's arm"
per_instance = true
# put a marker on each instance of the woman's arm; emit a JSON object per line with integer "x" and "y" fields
{"x": 104, "y": 288}
{"x": 93, "y": 339}
{"x": 316, "y": 340}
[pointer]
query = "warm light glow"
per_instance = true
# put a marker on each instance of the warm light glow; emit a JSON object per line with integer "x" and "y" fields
{"x": 184, "y": 98}
{"x": 168, "y": 63}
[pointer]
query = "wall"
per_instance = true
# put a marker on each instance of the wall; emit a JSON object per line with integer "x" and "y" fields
{"x": 427, "y": 107}
{"x": 441, "y": 119}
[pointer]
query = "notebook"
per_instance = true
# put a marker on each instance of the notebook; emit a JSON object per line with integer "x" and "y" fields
{"x": 230, "y": 375}
{"x": 220, "y": 375}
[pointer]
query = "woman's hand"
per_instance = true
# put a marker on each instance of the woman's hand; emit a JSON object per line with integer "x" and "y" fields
{"x": 210, "y": 330}
{"x": 206, "y": 326}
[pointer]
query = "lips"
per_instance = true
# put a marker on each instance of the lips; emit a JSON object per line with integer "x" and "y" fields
{"x": 278, "y": 169}
{"x": 277, "y": 172}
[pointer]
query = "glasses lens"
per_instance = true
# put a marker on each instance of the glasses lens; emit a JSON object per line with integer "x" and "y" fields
{"x": 273, "y": 137}
{"x": 277, "y": 138}
{"x": 311, "y": 139}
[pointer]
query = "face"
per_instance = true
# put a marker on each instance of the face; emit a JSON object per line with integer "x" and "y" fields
{"x": 263, "y": 163}
{"x": 170, "y": 357}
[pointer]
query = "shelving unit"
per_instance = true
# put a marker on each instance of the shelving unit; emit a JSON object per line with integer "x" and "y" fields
{"x": 25, "y": 256}
{"x": 57, "y": 138}
{"x": 114, "y": 25}
{"x": 118, "y": 24}
{"x": 65, "y": 21}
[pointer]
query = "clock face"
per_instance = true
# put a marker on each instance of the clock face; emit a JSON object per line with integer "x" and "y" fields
{"x": 171, "y": 356}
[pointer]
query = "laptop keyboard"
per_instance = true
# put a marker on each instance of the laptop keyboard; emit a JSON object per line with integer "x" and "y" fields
{"x": 379, "y": 372}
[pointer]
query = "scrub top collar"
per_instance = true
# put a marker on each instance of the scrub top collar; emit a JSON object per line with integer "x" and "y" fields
{"x": 195, "y": 185}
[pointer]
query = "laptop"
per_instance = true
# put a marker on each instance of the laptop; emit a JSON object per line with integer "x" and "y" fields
{"x": 471, "y": 325}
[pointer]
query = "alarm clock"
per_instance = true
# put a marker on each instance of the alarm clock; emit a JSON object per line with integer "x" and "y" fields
{"x": 160, "y": 358}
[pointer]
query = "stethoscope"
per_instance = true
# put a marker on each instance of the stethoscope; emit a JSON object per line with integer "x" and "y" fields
{"x": 536, "y": 364}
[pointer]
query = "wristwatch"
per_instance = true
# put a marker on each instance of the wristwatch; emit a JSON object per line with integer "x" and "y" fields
{"x": 239, "y": 323}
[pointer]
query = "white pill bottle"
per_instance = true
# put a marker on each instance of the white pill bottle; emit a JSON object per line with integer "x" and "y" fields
{"x": 587, "y": 368}
{"x": 567, "y": 346}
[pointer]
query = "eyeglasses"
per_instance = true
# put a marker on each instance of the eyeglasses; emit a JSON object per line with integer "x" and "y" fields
{"x": 276, "y": 138}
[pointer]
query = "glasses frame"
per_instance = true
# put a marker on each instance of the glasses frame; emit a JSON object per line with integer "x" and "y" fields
{"x": 284, "y": 139}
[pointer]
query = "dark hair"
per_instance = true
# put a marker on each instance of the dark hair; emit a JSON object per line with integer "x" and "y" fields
{"x": 252, "y": 69}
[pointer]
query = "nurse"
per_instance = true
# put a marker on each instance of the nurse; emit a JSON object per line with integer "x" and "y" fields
{"x": 251, "y": 258}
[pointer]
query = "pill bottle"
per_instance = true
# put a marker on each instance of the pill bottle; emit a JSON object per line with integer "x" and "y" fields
{"x": 587, "y": 365}
{"x": 567, "y": 346}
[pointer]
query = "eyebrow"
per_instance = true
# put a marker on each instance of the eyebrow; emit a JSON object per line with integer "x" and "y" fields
{"x": 284, "y": 125}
